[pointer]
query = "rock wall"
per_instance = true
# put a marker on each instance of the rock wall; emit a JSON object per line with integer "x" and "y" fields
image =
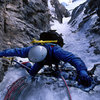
{"x": 22, "y": 20}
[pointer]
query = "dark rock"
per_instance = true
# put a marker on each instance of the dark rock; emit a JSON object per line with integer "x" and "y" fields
{"x": 93, "y": 5}
{"x": 1, "y": 72}
{"x": 97, "y": 51}
{"x": 76, "y": 12}
{"x": 20, "y": 20}
{"x": 5, "y": 64}
{"x": 98, "y": 9}
{"x": 60, "y": 10}
{"x": 96, "y": 28}
{"x": 25, "y": 1}
{"x": 1, "y": 1}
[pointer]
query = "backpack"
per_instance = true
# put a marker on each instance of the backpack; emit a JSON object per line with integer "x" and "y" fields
{"x": 52, "y": 35}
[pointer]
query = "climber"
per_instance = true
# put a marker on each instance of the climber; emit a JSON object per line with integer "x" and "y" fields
{"x": 50, "y": 53}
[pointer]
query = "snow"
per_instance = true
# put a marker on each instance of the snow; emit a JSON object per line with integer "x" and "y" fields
{"x": 10, "y": 76}
{"x": 76, "y": 43}
{"x": 66, "y": 1}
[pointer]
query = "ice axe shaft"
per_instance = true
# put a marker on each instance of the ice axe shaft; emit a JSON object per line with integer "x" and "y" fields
{"x": 22, "y": 65}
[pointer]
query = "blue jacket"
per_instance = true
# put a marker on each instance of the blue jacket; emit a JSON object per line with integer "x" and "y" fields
{"x": 55, "y": 55}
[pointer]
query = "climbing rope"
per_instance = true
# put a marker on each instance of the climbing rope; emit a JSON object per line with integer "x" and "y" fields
{"x": 68, "y": 92}
{"x": 67, "y": 88}
{"x": 20, "y": 84}
{"x": 15, "y": 89}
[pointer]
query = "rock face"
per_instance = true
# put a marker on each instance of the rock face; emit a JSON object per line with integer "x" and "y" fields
{"x": 1, "y": 72}
{"x": 87, "y": 17}
{"x": 22, "y": 20}
{"x": 4, "y": 64}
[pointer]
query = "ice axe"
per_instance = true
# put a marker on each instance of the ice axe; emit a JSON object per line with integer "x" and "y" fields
{"x": 12, "y": 60}
{"x": 22, "y": 65}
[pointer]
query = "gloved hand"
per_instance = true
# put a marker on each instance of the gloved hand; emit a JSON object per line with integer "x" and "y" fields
{"x": 57, "y": 74}
{"x": 27, "y": 64}
{"x": 84, "y": 78}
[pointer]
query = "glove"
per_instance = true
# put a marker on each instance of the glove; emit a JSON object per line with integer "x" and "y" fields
{"x": 57, "y": 74}
{"x": 27, "y": 64}
{"x": 84, "y": 78}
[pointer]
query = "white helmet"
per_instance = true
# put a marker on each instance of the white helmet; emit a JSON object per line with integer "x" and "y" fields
{"x": 37, "y": 54}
